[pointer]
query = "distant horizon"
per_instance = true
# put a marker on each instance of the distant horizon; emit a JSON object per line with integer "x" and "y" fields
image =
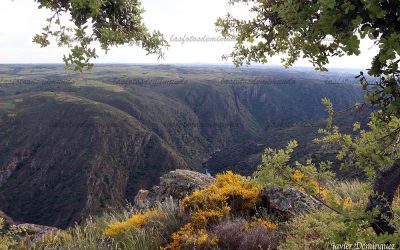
{"x": 190, "y": 64}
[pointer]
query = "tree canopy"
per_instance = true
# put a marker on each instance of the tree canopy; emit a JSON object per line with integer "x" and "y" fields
{"x": 108, "y": 22}
{"x": 315, "y": 30}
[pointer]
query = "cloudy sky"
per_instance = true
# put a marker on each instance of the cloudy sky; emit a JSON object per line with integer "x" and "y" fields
{"x": 21, "y": 20}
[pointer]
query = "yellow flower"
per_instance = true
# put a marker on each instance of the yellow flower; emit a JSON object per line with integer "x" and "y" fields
{"x": 265, "y": 223}
{"x": 347, "y": 202}
{"x": 136, "y": 221}
{"x": 318, "y": 190}
{"x": 298, "y": 175}
{"x": 205, "y": 239}
{"x": 229, "y": 187}
{"x": 202, "y": 217}
{"x": 188, "y": 235}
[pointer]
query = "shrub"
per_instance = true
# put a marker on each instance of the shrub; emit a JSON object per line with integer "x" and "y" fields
{"x": 321, "y": 229}
{"x": 191, "y": 237}
{"x": 232, "y": 190}
{"x": 242, "y": 235}
{"x": 230, "y": 194}
{"x": 275, "y": 170}
{"x": 262, "y": 222}
{"x": 138, "y": 220}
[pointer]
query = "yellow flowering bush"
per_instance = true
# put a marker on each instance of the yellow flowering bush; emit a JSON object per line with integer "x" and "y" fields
{"x": 204, "y": 217}
{"x": 275, "y": 170}
{"x": 230, "y": 193}
{"x": 347, "y": 202}
{"x": 265, "y": 223}
{"x": 298, "y": 175}
{"x": 230, "y": 189}
{"x": 136, "y": 221}
{"x": 190, "y": 236}
{"x": 309, "y": 184}
{"x": 313, "y": 187}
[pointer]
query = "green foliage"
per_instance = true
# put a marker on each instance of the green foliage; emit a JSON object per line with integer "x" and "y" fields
{"x": 385, "y": 94}
{"x": 371, "y": 150}
{"x": 321, "y": 229}
{"x": 314, "y": 30}
{"x": 346, "y": 221}
{"x": 375, "y": 152}
{"x": 324, "y": 228}
{"x": 329, "y": 110}
{"x": 274, "y": 167}
{"x": 355, "y": 190}
{"x": 275, "y": 171}
{"x": 109, "y": 22}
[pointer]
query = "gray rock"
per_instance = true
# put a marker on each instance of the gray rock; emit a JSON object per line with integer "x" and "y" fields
{"x": 180, "y": 183}
{"x": 287, "y": 203}
{"x": 146, "y": 198}
{"x": 38, "y": 232}
{"x": 174, "y": 185}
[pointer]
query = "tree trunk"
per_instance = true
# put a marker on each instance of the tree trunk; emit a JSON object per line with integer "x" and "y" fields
{"x": 385, "y": 186}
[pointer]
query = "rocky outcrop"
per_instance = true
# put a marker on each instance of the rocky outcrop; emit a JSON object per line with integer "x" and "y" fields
{"x": 287, "y": 202}
{"x": 35, "y": 232}
{"x": 38, "y": 232}
{"x": 177, "y": 184}
{"x": 180, "y": 183}
{"x": 173, "y": 185}
{"x": 146, "y": 198}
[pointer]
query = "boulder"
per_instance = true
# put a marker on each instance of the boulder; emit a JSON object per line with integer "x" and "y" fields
{"x": 180, "y": 183}
{"x": 288, "y": 202}
{"x": 174, "y": 185}
{"x": 146, "y": 198}
{"x": 38, "y": 232}
{"x": 35, "y": 232}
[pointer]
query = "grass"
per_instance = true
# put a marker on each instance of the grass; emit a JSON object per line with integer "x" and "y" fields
{"x": 90, "y": 235}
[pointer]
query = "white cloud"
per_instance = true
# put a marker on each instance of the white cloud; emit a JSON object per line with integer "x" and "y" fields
{"x": 21, "y": 20}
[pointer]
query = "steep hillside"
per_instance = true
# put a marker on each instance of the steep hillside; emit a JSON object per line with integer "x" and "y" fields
{"x": 64, "y": 157}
